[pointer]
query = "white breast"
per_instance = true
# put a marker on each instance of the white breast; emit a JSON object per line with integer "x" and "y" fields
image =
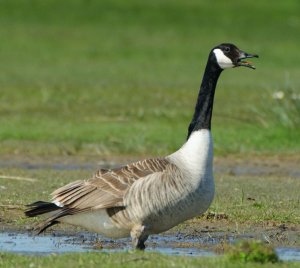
{"x": 195, "y": 157}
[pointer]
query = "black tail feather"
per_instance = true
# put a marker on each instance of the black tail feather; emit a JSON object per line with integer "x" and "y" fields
{"x": 39, "y": 208}
{"x": 45, "y": 225}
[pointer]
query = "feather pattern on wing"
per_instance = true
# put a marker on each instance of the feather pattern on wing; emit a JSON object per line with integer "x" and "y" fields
{"x": 107, "y": 187}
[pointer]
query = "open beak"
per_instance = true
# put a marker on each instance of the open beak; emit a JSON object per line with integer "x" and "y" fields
{"x": 242, "y": 60}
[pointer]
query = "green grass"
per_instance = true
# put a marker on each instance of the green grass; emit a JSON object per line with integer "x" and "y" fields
{"x": 257, "y": 200}
{"x": 254, "y": 251}
{"x": 109, "y": 77}
{"x": 127, "y": 260}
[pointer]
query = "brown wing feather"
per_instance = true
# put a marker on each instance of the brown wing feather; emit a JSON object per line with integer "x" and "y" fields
{"x": 107, "y": 187}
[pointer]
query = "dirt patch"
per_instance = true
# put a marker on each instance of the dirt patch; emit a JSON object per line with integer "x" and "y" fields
{"x": 287, "y": 165}
{"x": 279, "y": 166}
{"x": 215, "y": 232}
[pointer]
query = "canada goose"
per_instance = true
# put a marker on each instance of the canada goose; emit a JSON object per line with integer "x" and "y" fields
{"x": 152, "y": 195}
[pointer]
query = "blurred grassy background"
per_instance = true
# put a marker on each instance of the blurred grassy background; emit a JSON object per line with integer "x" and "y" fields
{"x": 121, "y": 77}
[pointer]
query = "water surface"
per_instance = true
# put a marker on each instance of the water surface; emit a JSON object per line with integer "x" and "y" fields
{"x": 23, "y": 243}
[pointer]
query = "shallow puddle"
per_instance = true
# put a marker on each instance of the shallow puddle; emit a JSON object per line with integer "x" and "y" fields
{"x": 288, "y": 254}
{"x": 57, "y": 244}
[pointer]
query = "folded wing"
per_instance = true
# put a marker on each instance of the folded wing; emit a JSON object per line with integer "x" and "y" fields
{"x": 107, "y": 187}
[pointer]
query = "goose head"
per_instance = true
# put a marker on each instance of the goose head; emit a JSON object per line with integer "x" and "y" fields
{"x": 229, "y": 56}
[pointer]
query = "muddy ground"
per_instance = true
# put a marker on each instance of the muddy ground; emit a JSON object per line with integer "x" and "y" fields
{"x": 193, "y": 238}
{"x": 281, "y": 166}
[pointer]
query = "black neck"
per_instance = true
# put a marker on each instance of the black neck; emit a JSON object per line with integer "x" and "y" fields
{"x": 204, "y": 105}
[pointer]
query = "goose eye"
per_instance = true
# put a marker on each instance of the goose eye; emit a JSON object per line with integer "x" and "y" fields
{"x": 227, "y": 49}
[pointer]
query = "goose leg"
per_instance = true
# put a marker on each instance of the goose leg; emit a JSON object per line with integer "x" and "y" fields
{"x": 138, "y": 236}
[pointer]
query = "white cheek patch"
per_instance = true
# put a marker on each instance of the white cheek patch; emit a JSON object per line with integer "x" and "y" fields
{"x": 223, "y": 61}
